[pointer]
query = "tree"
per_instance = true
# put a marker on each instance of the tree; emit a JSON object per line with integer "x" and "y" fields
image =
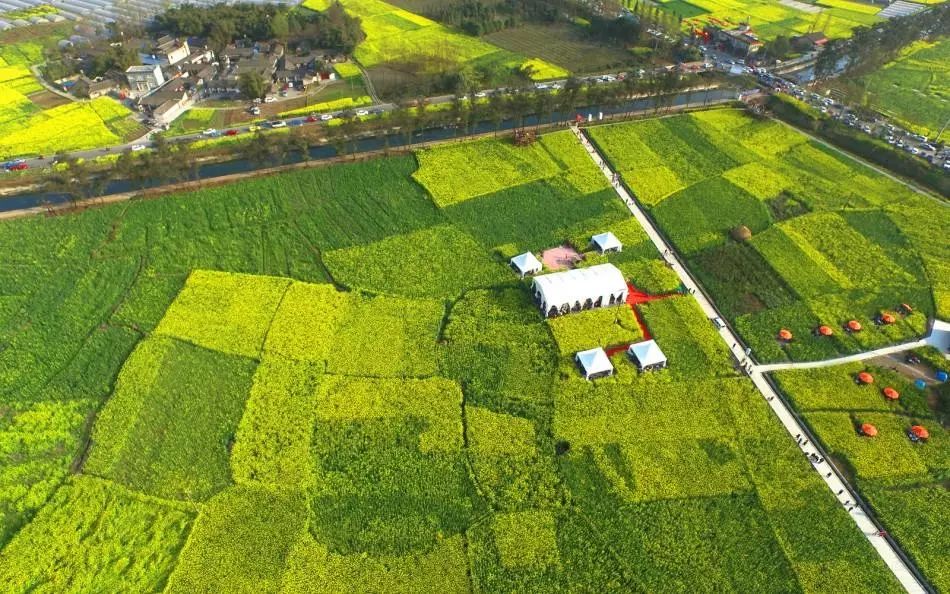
{"x": 279, "y": 26}
{"x": 779, "y": 47}
{"x": 253, "y": 85}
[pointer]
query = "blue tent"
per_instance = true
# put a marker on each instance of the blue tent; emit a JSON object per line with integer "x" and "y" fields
{"x": 920, "y": 384}
{"x": 942, "y": 376}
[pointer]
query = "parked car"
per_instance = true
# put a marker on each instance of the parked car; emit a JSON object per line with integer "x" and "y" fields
{"x": 270, "y": 99}
{"x": 253, "y": 128}
{"x": 277, "y": 124}
{"x": 312, "y": 118}
{"x": 362, "y": 112}
{"x": 13, "y": 163}
{"x": 138, "y": 147}
{"x": 18, "y": 167}
{"x": 326, "y": 117}
{"x": 210, "y": 132}
{"x": 231, "y": 132}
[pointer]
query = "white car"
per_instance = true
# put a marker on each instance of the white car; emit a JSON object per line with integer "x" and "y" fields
{"x": 326, "y": 117}
{"x": 278, "y": 124}
{"x": 210, "y": 132}
{"x": 270, "y": 99}
{"x": 362, "y": 112}
{"x": 138, "y": 147}
{"x": 481, "y": 94}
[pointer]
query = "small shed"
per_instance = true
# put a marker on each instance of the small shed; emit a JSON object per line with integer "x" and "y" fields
{"x": 606, "y": 242}
{"x": 594, "y": 363}
{"x": 647, "y": 355}
{"x": 525, "y": 264}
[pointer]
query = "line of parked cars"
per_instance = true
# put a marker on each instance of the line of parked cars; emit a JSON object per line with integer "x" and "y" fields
{"x": 15, "y": 165}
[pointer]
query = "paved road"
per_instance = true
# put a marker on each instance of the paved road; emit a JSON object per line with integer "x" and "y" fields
{"x": 377, "y": 108}
{"x": 897, "y": 348}
{"x": 884, "y": 546}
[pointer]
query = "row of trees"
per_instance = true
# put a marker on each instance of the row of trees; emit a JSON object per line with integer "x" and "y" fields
{"x": 170, "y": 163}
{"x": 479, "y": 17}
{"x": 79, "y": 180}
{"x": 223, "y": 24}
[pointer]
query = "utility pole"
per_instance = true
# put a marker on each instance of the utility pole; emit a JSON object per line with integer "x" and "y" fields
{"x": 947, "y": 123}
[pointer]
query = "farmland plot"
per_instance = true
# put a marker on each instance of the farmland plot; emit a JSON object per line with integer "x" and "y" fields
{"x": 893, "y": 473}
{"x": 830, "y": 240}
{"x": 397, "y": 35}
{"x": 337, "y": 385}
{"x": 913, "y": 88}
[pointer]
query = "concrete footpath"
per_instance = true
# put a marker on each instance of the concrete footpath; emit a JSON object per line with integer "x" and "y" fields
{"x": 884, "y": 546}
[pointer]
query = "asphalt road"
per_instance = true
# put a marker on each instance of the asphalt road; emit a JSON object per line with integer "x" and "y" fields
{"x": 379, "y": 108}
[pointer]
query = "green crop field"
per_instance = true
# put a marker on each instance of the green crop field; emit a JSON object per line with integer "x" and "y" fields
{"x": 771, "y": 18}
{"x": 394, "y": 35}
{"x": 903, "y": 481}
{"x": 914, "y": 89}
{"x": 330, "y": 380}
{"x": 831, "y": 240}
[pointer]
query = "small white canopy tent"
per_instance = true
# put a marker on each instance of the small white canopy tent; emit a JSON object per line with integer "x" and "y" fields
{"x": 939, "y": 337}
{"x": 648, "y": 355}
{"x": 581, "y": 288}
{"x": 606, "y": 242}
{"x": 594, "y": 363}
{"x": 526, "y": 263}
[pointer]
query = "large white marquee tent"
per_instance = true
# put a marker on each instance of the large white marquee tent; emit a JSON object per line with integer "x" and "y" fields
{"x": 581, "y": 288}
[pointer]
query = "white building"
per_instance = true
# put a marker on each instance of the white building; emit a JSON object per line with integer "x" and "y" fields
{"x": 648, "y": 355}
{"x": 581, "y": 288}
{"x": 167, "y": 51}
{"x": 144, "y": 79}
{"x": 594, "y": 363}
{"x": 606, "y": 242}
{"x": 525, "y": 264}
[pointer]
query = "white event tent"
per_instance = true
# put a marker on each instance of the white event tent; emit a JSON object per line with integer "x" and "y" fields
{"x": 648, "y": 355}
{"x": 606, "y": 242}
{"x": 594, "y": 363}
{"x": 526, "y": 263}
{"x": 581, "y": 288}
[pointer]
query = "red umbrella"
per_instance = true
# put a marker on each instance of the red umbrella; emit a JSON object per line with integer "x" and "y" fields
{"x": 865, "y": 378}
{"x": 785, "y": 334}
{"x": 854, "y": 325}
{"x": 887, "y": 318}
{"x": 868, "y": 429}
{"x": 825, "y": 330}
{"x": 920, "y": 432}
{"x": 890, "y": 393}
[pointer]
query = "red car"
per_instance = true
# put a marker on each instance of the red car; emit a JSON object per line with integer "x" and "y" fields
{"x": 231, "y": 133}
{"x": 19, "y": 167}
{"x": 311, "y": 118}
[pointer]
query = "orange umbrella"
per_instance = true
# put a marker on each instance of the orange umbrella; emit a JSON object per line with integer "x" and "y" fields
{"x": 920, "y": 432}
{"x": 785, "y": 334}
{"x": 868, "y": 429}
{"x": 887, "y": 318}
{"x": 854, "y": 325}
{"x": 890, "y": 393}
{"x": 825, "y": 331}
{"x": 865, "y": 378}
